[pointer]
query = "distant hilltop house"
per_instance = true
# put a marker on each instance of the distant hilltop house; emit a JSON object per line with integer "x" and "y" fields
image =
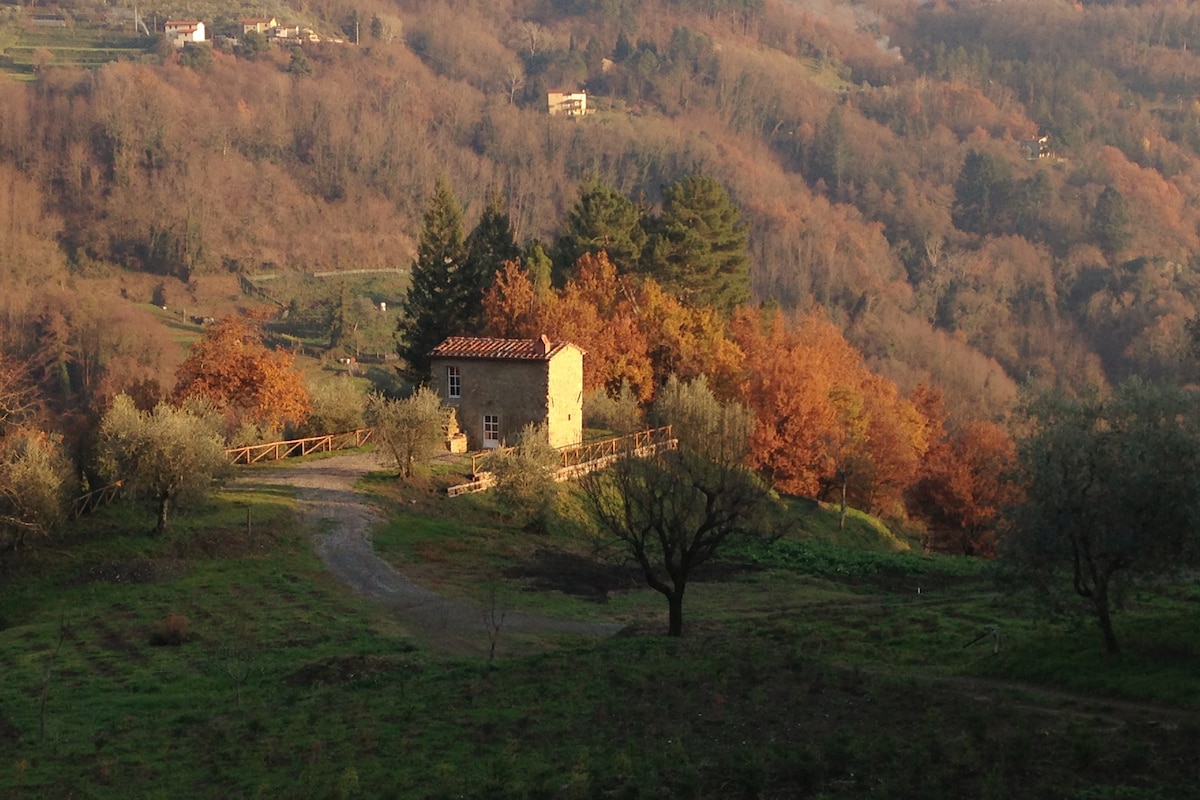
{"x": 498, "y": 386}
{"x": 284, "y": 32}
{"x": 570, "y": 104}
{"x": 180, "y": 32}
{"x": 1034, "y": 149}
{"x": 257, "y": 24}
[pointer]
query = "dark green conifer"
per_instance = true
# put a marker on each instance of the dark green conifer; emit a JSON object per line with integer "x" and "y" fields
{"x": 602, "y": 219}
{"x": 489, "y": 245}
{"x": 435, "y": 305}
{"x": 1109, "y": 226}
{"x": 697, "y": 248}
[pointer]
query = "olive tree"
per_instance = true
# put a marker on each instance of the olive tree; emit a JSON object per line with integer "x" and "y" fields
{"x": 410, "y": 429}
{"x": 170, "y": 456}
{"x": 525, "y": 485}
{"x": 35, "y": 477}
{"x": 672, "y": 510}
{"x": 338, "y": 406}
{"x": 1111, "y": 494}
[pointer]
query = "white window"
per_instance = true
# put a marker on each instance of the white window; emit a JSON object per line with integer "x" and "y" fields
{"x": 491, "y": 430}
{"x": 453, "y": 383}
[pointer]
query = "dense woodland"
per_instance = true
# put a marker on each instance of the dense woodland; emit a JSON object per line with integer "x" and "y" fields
{"x": 883, "y": 201}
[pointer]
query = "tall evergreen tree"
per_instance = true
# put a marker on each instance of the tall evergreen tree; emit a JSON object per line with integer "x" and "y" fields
{"x": 831, "y": 155}
{"x": 435, "y": 306}
{"x": 982, "y": 195}
{"x": 697, "y": 247}
{"x": 1109, "y": 225}
{"x": 489, "y": 245}
{"x": 602, "y": 219}
{"x": 538, "y": 265}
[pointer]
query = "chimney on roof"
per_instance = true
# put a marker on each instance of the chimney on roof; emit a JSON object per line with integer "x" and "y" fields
{"x": 542, "y": 345}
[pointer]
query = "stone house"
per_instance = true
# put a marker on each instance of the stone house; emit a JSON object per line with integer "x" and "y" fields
{"x": 498, "y": 386}
{"x": 257, "y": 24}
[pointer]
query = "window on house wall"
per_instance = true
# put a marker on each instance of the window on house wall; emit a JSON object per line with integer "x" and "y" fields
{"x": 491, "y": 429}
{"x": 453, "y": 383}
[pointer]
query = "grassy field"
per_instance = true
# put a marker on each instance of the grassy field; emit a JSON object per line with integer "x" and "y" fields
{"x": 28, "y": 48}
{"x": 808, "y": 669}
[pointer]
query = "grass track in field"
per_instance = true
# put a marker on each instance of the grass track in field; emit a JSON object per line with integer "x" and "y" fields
{"x": 814, "y": 671}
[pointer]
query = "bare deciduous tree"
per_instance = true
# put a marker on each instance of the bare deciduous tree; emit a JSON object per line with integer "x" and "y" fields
{"x": 673, "y": 511}
{"x": 515, "y": 79}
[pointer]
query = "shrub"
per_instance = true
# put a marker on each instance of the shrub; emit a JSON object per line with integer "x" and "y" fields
{"x": 620, "y": 414}
{"x": 171, "y": 631}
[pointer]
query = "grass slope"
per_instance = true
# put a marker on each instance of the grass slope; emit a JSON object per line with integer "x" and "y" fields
{"x": 808, "y": 670}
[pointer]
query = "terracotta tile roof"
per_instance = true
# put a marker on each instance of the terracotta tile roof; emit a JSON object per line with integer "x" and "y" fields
{"x": 517, "y": 349}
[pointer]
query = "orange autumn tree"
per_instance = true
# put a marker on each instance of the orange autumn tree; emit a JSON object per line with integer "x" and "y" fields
{"x": 232, "y": 369}
{"x": 826, "y": 426}
{"x": 966, "y": 483}
{"x": 632, "y": 330}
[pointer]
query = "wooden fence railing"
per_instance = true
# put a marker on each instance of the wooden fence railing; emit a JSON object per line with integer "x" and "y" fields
{"x": 275, "y": 451}
{"x": 573, "y": 455}
{"x": 578, "y": 459}
{"x": 250, "y": 454}
{"x": 87, "y": 503}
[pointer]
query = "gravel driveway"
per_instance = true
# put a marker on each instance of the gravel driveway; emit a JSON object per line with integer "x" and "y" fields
{"x": 328, "y": 502}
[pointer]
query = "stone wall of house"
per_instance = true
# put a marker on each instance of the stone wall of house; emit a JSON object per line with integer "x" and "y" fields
{"x": 514, "y": 390}
{"x": 520, "y": 392}
{"x": 565, "y": 412}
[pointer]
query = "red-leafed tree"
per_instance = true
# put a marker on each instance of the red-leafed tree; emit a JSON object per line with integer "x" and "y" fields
{"x": 826, "y": 426}
{"x": 967, "y": 484}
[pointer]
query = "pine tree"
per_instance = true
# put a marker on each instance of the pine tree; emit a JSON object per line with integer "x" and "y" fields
{"x": 435, "y": 305}
{"x": 831, "y": 155}
{"x": 698, "y": 245}
{"x": 602, "y": 219}
{"x": 982, "y": 195}
{"x": 1109, "y": 226}
{"x": 538, "y": 264}
{"x": 490, "y": 244}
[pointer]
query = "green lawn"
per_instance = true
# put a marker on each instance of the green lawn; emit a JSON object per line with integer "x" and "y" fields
{"x": 809, "y": 669}
{"x": 79, "y": 46}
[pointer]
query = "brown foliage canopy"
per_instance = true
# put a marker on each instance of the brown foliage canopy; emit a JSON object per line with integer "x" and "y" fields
{"x": 633, "y": 331}
{"x": 232, "y": 369}
{"x": 824, "y": 420}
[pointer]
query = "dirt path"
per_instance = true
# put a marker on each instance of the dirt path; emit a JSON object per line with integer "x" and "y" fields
{"x": 328, "y": 502}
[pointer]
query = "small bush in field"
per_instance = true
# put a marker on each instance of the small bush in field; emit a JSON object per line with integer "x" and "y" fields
{"x": 171, "y": 631}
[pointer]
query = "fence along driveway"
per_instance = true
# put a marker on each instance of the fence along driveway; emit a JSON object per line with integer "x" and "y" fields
{"x": 276, "y": 451}
{"x": 249, "y": 454}
{"x": 577, "y": 459}
{"x": 580, "y": 459}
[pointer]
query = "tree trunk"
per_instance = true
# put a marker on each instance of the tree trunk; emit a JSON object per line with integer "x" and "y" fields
{"x": 675, "y": 603}
{"x": 162, "y": 515}
{"x": 1105, "y": 619}
{"x": 842, "y": 518}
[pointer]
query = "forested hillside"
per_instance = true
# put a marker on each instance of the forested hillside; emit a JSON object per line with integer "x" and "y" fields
{"x": 874, "y": 151}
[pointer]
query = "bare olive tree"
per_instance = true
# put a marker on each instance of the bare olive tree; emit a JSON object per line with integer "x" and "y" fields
{"x": 673, "y": 510}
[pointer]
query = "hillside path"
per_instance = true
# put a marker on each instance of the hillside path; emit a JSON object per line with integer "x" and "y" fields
{"x": 328, "y": 503}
